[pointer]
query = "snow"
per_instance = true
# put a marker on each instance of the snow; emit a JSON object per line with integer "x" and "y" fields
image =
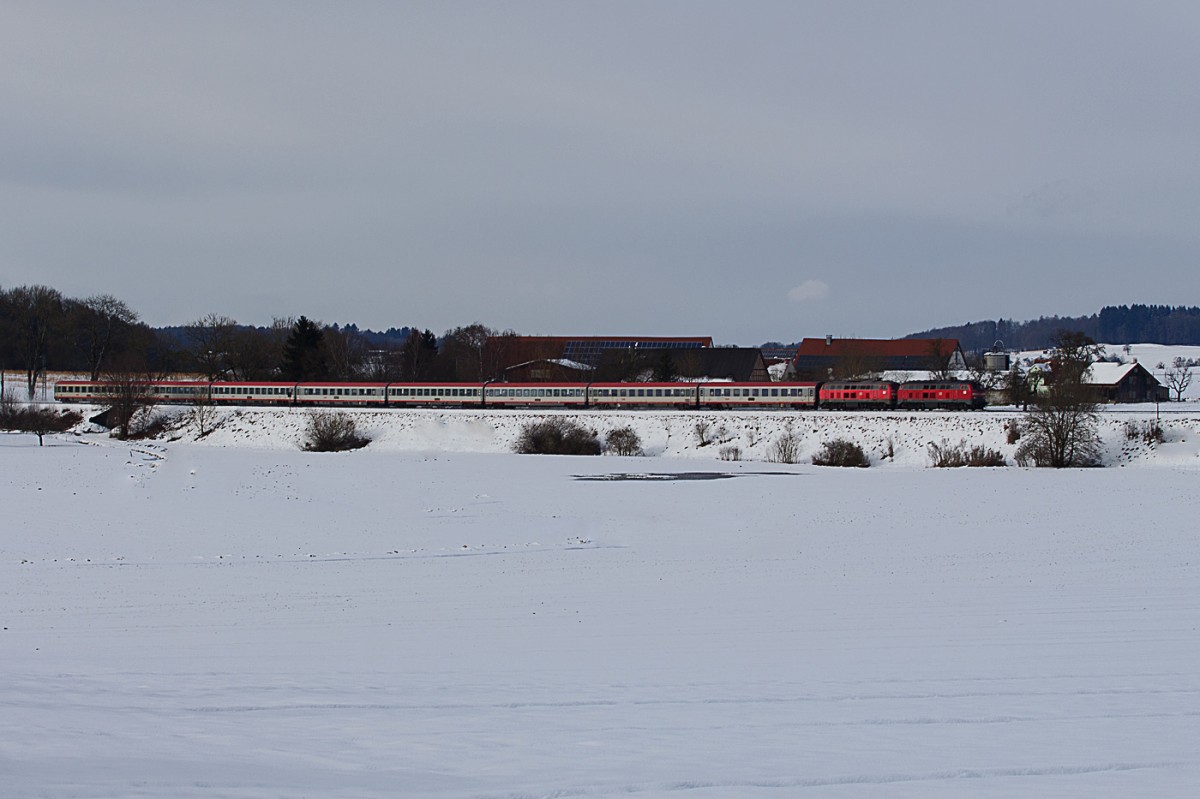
{"x": 232, "y": 617}
{"x": 1103, "y": 373}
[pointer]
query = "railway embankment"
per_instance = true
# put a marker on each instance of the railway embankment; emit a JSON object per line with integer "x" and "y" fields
{"x": 890, "y": 438}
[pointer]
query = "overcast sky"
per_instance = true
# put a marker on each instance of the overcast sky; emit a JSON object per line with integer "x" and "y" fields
{"x": 748, "y": 170}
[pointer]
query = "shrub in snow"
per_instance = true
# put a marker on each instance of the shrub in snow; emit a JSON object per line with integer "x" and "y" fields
{"x": 147, "y": 425}
{"x": 730, "y": 452}
{"x": 786, "y": 449}
{"x": 1060, "y": 435}
{"x": 1013, "y": 434}
{"x": 841, "y": 452}
{"x": 946, "y": 455}
{"x": 702, "y": 433}
{"x": 32, "y": 419}
{"x": 557, "y": 436}
{"x": 1150, "y": 432}
{"x": 623, "y": 441}
{"x": 330, "y": 431}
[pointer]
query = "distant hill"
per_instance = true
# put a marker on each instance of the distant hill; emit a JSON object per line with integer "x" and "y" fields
{"x": 1120, "y": 324}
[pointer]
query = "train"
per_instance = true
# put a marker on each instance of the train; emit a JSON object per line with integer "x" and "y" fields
{"x": 834, "y": 395}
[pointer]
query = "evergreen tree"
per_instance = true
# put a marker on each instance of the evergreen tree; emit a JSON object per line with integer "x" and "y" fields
{"x": 664, "y": 370}
{"x": 304, "y": 352}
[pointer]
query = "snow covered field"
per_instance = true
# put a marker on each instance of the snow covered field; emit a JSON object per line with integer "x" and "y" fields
{"x": 225, "y": 619}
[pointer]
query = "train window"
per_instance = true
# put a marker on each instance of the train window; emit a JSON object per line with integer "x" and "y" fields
{"x": 624, "y": 392}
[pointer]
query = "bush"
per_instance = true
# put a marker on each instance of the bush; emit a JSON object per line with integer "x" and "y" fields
{"x": 37, "y": 420}
{"x": 1013, "y": 433}
{"x": 330, "y": 431}
{"x": 623, "y": 441}
{"x": 557, "y": 436}
{"x": 947, "y": 455}
{"x": 786, "y": 449}
{"x": 730, "y": 452}
{"x": 1059, "y": 437}
{"x": 841, "y": 452}
{"x": 150, "y": 427}
{"x": 702, "y": 433}
{"x": 1149, "y": 432}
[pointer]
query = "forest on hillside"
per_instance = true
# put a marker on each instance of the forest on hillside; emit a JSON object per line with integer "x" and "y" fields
{"x": 1115, "y": 324}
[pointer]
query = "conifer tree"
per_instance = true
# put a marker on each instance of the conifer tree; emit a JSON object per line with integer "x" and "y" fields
{"x": 304, "y": 352}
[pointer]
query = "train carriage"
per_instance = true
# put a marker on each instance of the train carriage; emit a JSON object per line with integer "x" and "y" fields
{"x": 857, "y": 395}
{"x": 453, "y": 395}
{"x": 527, "y": 395}
{"x": 642, "y": 395}
{"x": 338, "y": 394}
{"x": 101, "y": 391}
{"x": 773, "y": 395}
{"x": 946, "y": 394}
{"x": 256, "y": 393}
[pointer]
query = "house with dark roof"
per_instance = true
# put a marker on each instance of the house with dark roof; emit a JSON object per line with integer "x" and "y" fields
{"x": 1124, "y": 382}
{"x": 549, "y": 370}
{"x": 821, "y": 358}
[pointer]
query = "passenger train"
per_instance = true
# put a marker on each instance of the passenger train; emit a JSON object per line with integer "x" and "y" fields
{"x": 840, "y": 395}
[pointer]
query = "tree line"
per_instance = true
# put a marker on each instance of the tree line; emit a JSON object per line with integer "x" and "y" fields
{"x": 101, "y": 336}
{"x": 1114, "y": 324}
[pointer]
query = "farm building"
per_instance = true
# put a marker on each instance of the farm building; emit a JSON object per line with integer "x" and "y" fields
{"x": 739, "y": 364}
{"x": 1124, "y": 382}
{"x": 822, "y": 358}
{"x": 549, "y": 370}
{"x": 505, "y": 351}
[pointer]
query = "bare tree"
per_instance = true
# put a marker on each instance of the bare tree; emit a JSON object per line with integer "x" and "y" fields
{"x": 204, "y": 410}
{"x": 1179, "y": 377}
{"x": 131, "y": 399}
{"x": 103, "y": 319}
{"x": 1060, "y": 430}
{"x": 938, "y": 359}
{"x": 496, "y": 353}
{"x": 35, "y": 310}
{"x": 855, "y": 362}
{"x": 1072, "y": 356}
{"x": 463, "y": 351}
{"x": 211, "y": 340}
{"x": 345, "y": 352}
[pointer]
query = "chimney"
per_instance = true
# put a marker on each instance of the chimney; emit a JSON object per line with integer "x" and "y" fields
{"x": 829, "y": 341}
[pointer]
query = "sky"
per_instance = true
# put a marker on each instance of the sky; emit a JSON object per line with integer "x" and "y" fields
{"x": 751, "y": 171}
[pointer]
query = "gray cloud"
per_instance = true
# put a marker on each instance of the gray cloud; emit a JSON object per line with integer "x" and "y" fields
{"x": 613, "y": 167}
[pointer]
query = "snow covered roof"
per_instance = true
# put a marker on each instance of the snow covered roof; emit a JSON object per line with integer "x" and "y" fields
{"x": 1103, "y": 373}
